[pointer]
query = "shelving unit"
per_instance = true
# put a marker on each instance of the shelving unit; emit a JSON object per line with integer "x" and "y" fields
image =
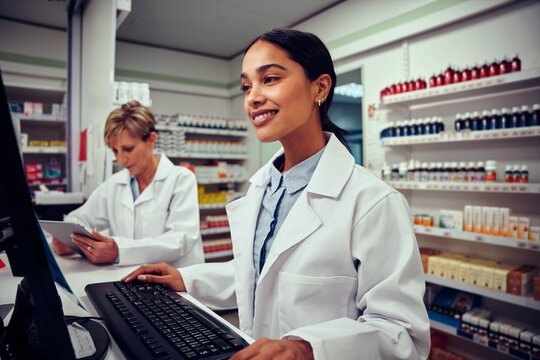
{"x": 479, "y": 87}
{"x": 447, "y": 329}
{"x": 219, "y": 137}
{"x": 476, "y": 237}
{"x": 506, "y": 146}
{"x": 523, "y": 301}
{"x": 464, "y": 136}
{"x": 475, "y": 187}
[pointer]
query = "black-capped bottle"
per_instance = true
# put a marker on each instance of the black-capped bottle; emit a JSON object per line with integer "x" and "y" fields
{"x": 524, "y": 178}
{"x": 505, "y": 119}
{"x": 514, "y": 122}
{"x": 494, "y": 68}
{"x": 494, "y": 119}
{"x": 471, "y": 172}
{"x": 475, "y": 121}
{"x": 458, "y": 123}
{"x": 508, "y": 174}
{"x": 504, "y": 67}
{"x": 535, "y": 115}
{"x": 515, "y": 64}
{"x": 524, "y": 117}
{"x": 480, "y": 172}
{"x": 484, "y": 121}
{"x": 466, "y": 125}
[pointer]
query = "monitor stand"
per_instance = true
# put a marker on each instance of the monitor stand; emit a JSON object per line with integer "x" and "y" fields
{"x": 20, "y": 339}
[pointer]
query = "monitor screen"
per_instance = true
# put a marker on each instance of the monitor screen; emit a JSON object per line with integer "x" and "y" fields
{"x": 37, "y": 328}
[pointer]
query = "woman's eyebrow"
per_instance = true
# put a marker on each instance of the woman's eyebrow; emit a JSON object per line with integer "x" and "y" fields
{"x": 263, "y": 68}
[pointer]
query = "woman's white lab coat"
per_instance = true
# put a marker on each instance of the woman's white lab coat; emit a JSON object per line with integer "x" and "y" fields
{"x": 161, "y": 225}
{"x": 344, "y": 271}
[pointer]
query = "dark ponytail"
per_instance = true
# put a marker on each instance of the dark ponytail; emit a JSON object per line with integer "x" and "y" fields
{"x": 309, "y": 52}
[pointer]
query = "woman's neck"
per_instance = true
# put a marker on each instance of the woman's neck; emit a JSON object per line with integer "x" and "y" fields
{"x": 297, "y": 151}
{"x": 145, "y": 178}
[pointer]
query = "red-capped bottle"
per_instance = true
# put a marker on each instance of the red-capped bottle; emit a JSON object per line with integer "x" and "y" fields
{"x": 475, "y": 72}
{"x": 504, "y": 67}
{"x": 494, "y": 68}
{"x": 423, "y": 84}
{"x": 412, "y": 85}
{"x": 515, "y": 64}
{"x": 433, "y": 81}
{"x": 448, "y": 75}
{"x": 440, "y": 80}
{"x": 385, "y": 92}
{"x": 484, "y": 71}
{"x": 456, "y": 78}
{"x": 465, "y": 74}
{"x": 404, "y": 86}
{"x": 393, "y": 89}
{"x": 418, "y": 84}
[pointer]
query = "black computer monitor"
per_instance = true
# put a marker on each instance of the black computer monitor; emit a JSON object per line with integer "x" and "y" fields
{"x": 37, "y": 328}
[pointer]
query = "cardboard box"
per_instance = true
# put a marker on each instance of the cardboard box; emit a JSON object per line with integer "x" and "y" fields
{"x": 449, "y": 219}
{"x": 534, "y": 233}
{"x": 487, "y": 221}
{"x": 504, "y": 214}
{"x": 468, "y": 218}
{"x": 463, "y": 272}
{"x": 500, "y": 277}
{"x": 512, "y": 227}
{"x": 425, "y": 254}
{"x": 494, "y": 228}
{"x": 477, "y": 219}
{"x": 523, "y": 228}
{"x": 433, "y": 265}
{"x": 536, "y": 288}
{"x": 520, "y": 280}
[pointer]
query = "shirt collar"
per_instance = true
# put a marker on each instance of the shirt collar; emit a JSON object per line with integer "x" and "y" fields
{"x": 297, "y": 177}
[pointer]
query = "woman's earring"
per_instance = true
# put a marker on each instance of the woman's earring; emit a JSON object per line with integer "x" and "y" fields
{"x": 319, "y": 102}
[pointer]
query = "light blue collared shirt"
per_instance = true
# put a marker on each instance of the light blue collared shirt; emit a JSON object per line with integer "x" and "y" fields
{"x": 134, "y": 187}
{"x": 281, "y": 193}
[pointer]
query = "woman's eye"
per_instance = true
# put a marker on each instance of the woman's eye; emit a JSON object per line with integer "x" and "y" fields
{"x": 244, "y": 88}
{"x": 268, "y": 79}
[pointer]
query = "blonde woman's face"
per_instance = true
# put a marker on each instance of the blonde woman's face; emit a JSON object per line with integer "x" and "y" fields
{"x": 133, "y": 153}
{"x": 278, "y": 96}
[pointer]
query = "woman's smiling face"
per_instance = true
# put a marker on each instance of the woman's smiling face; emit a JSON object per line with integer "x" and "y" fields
{"x": 279, "y": 98}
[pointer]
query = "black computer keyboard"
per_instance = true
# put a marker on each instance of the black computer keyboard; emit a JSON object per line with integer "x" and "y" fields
{"x": 151, "y": 321}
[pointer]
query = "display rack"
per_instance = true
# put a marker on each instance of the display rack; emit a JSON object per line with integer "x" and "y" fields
{"x": 527, "y": 302}
{"x": 511, "y": 188}
{"x": 464, "y": 136}
{"x": 507, "y": 145}
{"x": 209, "y": 134}
{"x": 477, "y": 237}
{"x": 479, "y": 87}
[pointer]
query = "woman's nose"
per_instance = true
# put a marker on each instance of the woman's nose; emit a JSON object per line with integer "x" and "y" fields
{"x": 255, "y": 96}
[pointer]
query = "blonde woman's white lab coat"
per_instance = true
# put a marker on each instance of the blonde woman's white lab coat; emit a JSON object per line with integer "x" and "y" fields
{"x": 343, "y": 273}
{"x": 161, "y": 225}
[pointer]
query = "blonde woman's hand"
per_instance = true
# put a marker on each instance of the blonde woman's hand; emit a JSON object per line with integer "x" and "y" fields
{"x": 60, "y": 248}
{"x": 101, "y": 249}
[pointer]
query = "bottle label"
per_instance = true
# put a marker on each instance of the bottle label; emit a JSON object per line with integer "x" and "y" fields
{"x": 491, "y": 176}
{"x": 524, "y": 178}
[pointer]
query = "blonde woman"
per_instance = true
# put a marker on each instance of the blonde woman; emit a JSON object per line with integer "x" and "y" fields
{"x": 150, "y": 208}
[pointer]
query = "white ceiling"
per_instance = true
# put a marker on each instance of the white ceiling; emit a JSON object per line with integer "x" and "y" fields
{"x": 218, "y": 28}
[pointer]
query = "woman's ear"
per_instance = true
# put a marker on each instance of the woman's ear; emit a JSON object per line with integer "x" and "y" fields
{"x": 324, "y": 83}
{"x": 152, "y": 138}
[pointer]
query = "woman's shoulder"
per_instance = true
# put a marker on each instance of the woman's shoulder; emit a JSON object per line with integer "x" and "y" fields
{"x": 365, "y": 181}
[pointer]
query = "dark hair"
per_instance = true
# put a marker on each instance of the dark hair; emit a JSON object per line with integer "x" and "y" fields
{"x": 308, "y": 51}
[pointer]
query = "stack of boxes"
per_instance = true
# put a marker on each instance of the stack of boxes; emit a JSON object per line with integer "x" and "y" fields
{"x": 517, "y": 280}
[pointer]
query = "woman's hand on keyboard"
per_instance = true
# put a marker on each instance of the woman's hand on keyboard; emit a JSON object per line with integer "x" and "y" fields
{"x": 161, "y": 273}
{"x": 276, "y": 349}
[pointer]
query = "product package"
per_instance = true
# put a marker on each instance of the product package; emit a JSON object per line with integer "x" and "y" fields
{"x": 477, "y": 219}
{"x": 520, "y": 280}
{"x": 504, "y": 214}
{"x": 512, "y": 227}
{"x": 523, "y": 228}
{"x": 449, "y": 219}
{"x": 468, "y": 218}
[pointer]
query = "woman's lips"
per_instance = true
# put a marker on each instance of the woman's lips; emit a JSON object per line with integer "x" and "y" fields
{"x": 262, "y": 118}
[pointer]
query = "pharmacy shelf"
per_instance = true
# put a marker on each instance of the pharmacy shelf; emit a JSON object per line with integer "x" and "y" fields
{"x": 524, "y": 301}
{"x": 44, "y": 150}
{"x": 474, "y": 187}
{"x": 475, "y": 338}
{"x": 464, "y": 136}
{"x": 490, "y": 85}
{"x": 212, "y": 156}
{"x": 212, "y": 206}
{"x": 221, "y": 181}
{"x": 54, "y": 182}
{"x": 219, "y": 230}
{"x": 43, "y": 119}
{"x": 218, "y": 254}
{"x": 194, "y": 130}
{"x": 478, "y": 238}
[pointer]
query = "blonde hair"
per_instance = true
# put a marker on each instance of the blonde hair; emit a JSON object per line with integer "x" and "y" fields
{"x": 133, "y": 117}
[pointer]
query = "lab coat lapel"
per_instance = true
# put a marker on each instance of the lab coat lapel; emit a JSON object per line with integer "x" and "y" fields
{"x": 242, "y": 214}
{"x": 126, "y": 196}
{"x": 301, "y": 222}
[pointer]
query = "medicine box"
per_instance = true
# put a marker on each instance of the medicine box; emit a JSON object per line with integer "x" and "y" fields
{"x": 468, "y": 218}
{"x": 504, "y": 214}
{"x": 523, "y": 228}
{"x": 449, "y": 219}
{"x": 477, "y": 219}
{"x": 512, "y": 227}
{"x": 520, "y": 280}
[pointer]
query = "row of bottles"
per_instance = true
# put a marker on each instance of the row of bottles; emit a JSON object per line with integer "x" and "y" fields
{"x": 503, "y": 119}
{"x": 455, "y": 75}
{"x": 413, "y": 127}
{"x": 453, "y": 172}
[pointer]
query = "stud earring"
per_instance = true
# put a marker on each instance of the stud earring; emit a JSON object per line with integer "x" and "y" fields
{"x": 319, "y": 102}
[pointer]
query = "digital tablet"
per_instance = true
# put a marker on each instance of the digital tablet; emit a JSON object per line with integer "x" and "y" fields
{"x": 63, "y": 230}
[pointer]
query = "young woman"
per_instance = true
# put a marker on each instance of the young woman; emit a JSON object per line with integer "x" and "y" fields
{"x": 150, "y": 208}
{"x": 325, "y": 258}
